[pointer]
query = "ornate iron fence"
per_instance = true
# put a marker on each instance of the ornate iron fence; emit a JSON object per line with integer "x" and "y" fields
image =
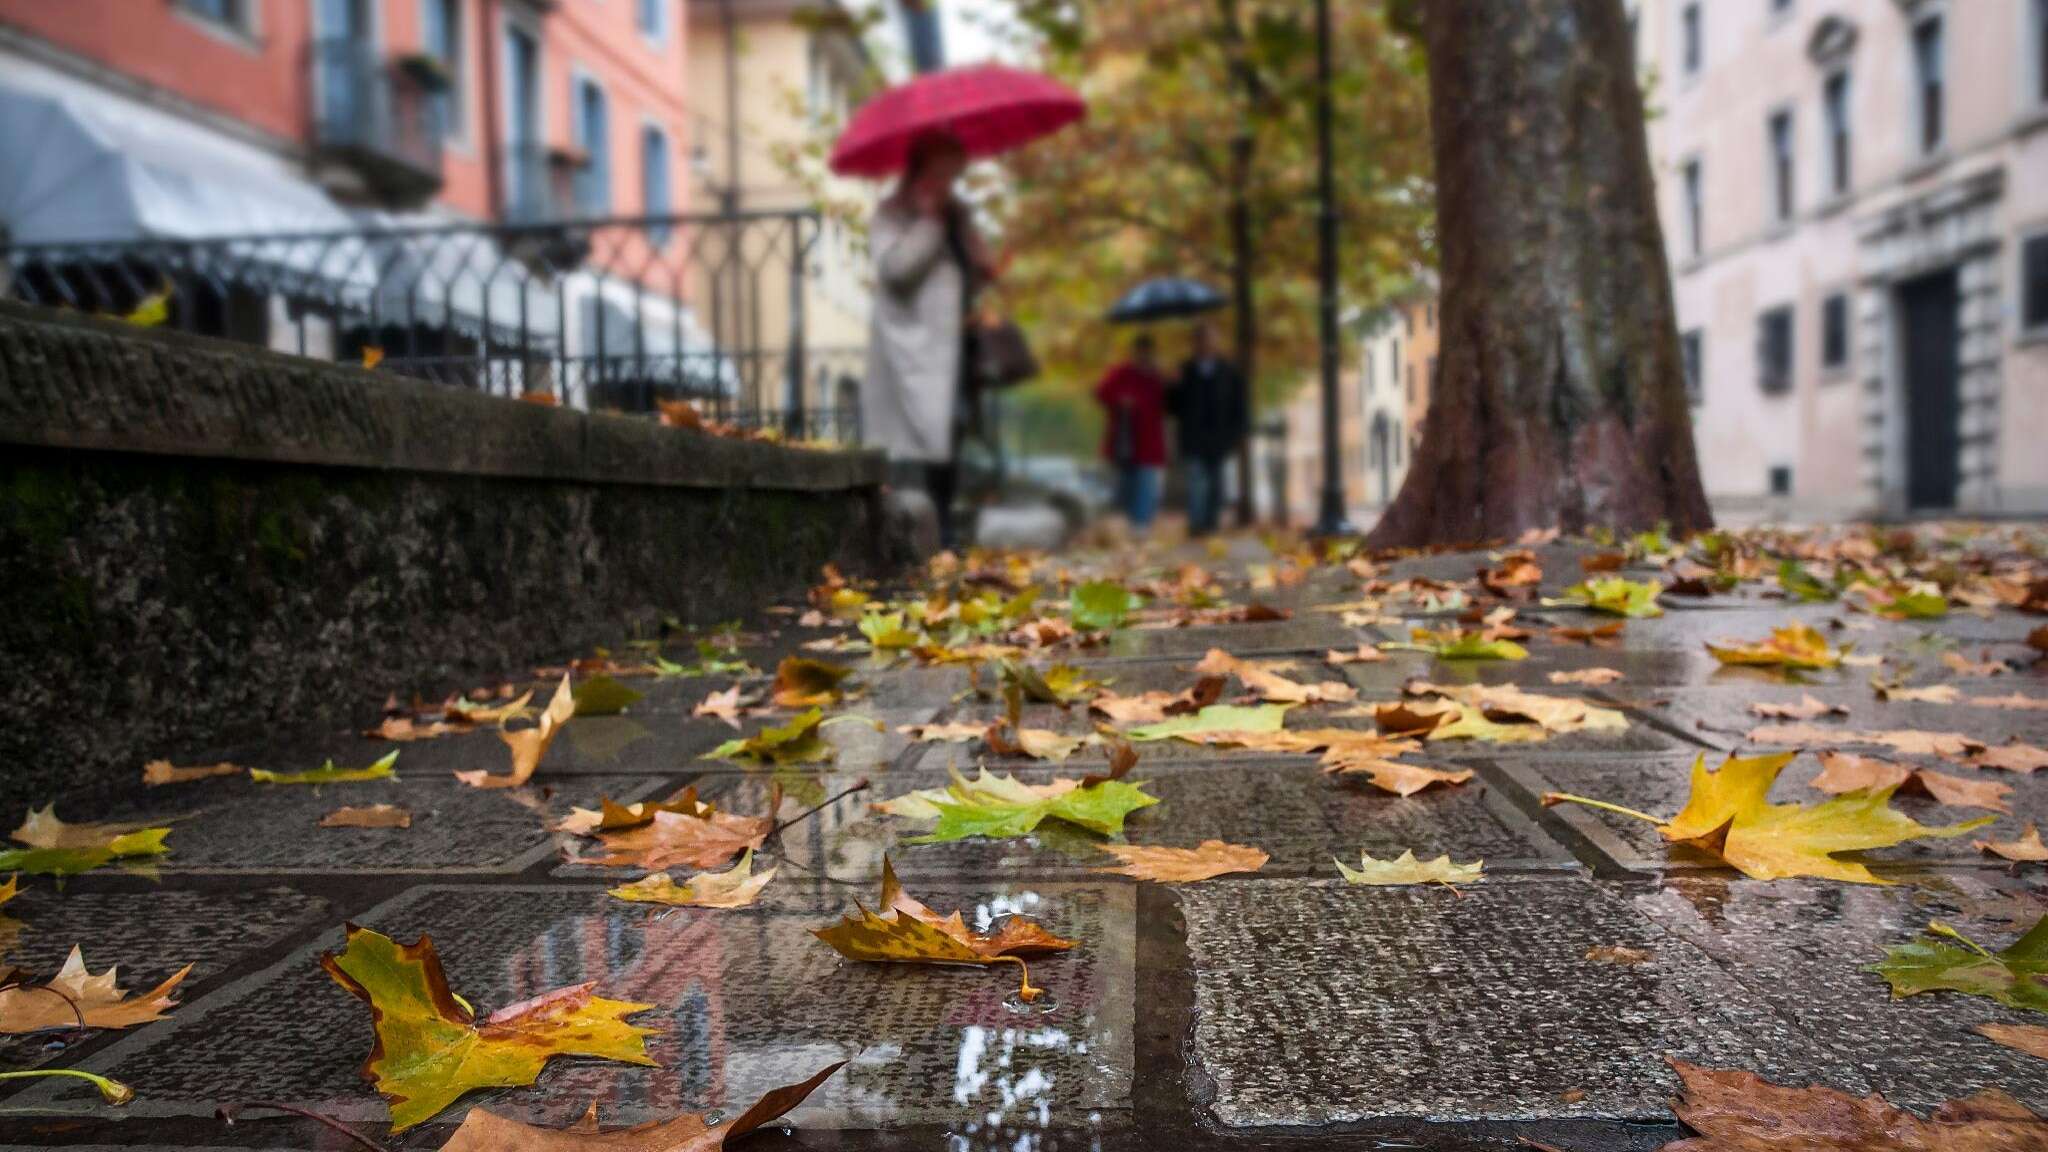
{"x": 745, "y": 315}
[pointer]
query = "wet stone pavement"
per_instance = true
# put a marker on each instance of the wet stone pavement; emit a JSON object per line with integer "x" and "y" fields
{"x": 1283, "y": 1009}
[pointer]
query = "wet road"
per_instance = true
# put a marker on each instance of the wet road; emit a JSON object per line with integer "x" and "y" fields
{"x": 1283, "y": 1009}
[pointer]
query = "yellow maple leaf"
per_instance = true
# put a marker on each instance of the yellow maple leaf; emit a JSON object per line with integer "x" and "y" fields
{"x": 1794, "y": 646}
{"x": 1730, "y": 815}
{"x": 735, "y": 888}
{"x": 430, "y": 1048}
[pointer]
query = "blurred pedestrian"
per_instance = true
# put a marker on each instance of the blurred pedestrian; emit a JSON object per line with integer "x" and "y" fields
{"x": 1211, "y": 416}
{"x": 1133, "y": 394}
{"x": 930, "y": 263}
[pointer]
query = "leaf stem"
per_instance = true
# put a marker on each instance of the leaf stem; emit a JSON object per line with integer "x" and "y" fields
{"x": 1553, "y": 798}
{"x": 230, "y": 1113}
{"x": 860, "y": 785}
{"x": 1941, "y": 929}
{"x": 1025, "y": 991}
{"x": 113, "y": 1091}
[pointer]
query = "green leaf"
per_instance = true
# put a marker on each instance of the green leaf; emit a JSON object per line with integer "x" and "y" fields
{"x": 329, "y": 774}
{"x": 73, "y": 860}
{"x": 604, "y": 696}
{"x": 1914, "y": 606}
{"x": 1459, "y": 645}
{"x": 1101, "y": 605}
{"x": 1060, "y": 684}
{"x": 797, "y": 742}
{"x": 1802, "y": 585}
{"x": 886, "y": 632}
{"x": 1215, "y": 719}
{"x": 1100, "y": 808}
{"x": 2016, "y": 976}
{"x": 1632, "y": 598}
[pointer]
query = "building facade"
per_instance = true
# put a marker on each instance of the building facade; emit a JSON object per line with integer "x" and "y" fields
{"x": 1383, "y": 394}
{"x": 1859, "y": 246}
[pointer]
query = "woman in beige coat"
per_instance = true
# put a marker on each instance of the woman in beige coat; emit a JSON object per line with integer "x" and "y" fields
{"x": 928, "y": 265}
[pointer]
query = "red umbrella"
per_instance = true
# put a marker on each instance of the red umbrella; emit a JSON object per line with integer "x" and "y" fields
{"x": 990, "y": 108}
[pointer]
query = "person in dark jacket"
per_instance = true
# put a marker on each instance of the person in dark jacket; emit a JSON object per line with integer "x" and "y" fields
{"x": 1211, "y": 413}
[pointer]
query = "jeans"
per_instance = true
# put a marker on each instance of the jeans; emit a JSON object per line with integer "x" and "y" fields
{"x": 1137, "y": 494}
{"x": 1205, "y": 494}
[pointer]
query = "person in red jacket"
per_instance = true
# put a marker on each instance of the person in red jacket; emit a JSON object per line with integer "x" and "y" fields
{"x": 1133, "y": 394}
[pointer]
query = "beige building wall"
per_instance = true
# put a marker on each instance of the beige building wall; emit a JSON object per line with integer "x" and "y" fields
{"x": 1922, "y": 245}
{"x": 1378, "y": 421}
{"x": 793, "y": 73}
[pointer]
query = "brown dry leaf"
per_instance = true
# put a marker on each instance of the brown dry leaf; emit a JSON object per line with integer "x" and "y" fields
{"x": 1363, "y": 654}
{"x": 610, "y": 816}
{"x": 1591, "y": 677}
{"x": 724, "y": 706}
{"x": 956, "y": 732}
{"x": 2029, "y": 1038}
{"x": 372, "y": 816}
{"x": 1033, "y": 743}
{"x": 1183, "y": 865}
{"x": 528, "y": 745}
{"x": 74, "y": 993}
{"x": 805, "y": 683}
{"x": 1412, "y": 719}
{"x": 42, "y": 829}
{"x": 1930, "y": 694}
{"x": 2038, "y": 639}
{"x": 703, "y": 839}
{"x": 736, "y": 888}
{"x": 2027, "y": 849}
{"x": 1400, "y": 779}
{"x": 1841, "y": 772}
{"x": 1808, "y": 708}
{"x": 1603, "y": 562}
{"x": 1270, "y": 685}
{"x": 2016, "y": 701}
{"x": 1909, "y": 741}
{"x": 918, "y": 935}
{"x": 405, "y": 729}
{"x": 680, "y": 414}
{"x": 1962, "y": 665}
{"x": 1513, "y": 573}
{"x": 1601, "y": 636}
{"x": 1736, "y": 1111}
{"x": 2024, "y": 759}
{"x": 1619, "y": 954}
{"x": 483, "y": 1131}
{"x": 157, "y": 773}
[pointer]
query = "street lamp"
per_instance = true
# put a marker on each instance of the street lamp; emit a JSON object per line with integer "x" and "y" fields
{"x": 1330, "y": 518}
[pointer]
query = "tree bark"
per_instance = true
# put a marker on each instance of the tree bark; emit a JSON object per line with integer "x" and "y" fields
{"x": 1560, "y": 399}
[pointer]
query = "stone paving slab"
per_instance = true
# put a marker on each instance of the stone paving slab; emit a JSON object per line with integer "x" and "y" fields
{"x": 1659, "y": 785}
{"x": 238, "y": 826}
{"x": 1719, "y": 714}
{"x": 745, "y": 999}
{"x": 1320, "y": 1003}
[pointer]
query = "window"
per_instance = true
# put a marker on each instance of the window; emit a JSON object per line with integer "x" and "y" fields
{"x": 2034, "y": 283}
{"x": 1411, "y": 383}
{"x": 2039, "y": 35}
{"x": 227, "y": 13}
{"x": 1690, "y": 50}
{"x": 1781, "y": 480}
{"x": 1835, "y": 100}
{"x": 1834, "y": 331}
{"x": 1695, "y": 227}
{"x": 655, "y": 175}
{"x": 1929, "y": 50}
{"x": 441, "y": 39}
{"x": 1783, "y": 166}
{"x": 1692, "y": 350}
{"x": 593, "y": 136}
{"x": 1781, "y": 8}
{"x": 528, "y": 193}
{"x": 1774, "y": 351}
{"x": 652, "y": 18}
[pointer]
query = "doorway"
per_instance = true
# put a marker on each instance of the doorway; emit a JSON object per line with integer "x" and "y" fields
{"x": 1931, "y": 335}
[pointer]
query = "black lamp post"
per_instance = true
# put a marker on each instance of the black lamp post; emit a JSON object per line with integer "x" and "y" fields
{"x": 1330, "y": 518}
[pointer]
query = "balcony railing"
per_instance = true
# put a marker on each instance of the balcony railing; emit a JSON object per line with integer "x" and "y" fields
{"x": 615, "y": 314}
{"x": 382, "y": 119}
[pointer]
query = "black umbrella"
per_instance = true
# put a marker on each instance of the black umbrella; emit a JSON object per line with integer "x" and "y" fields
{"x": 1166, "y": 299}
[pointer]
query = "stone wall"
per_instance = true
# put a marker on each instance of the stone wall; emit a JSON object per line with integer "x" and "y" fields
{"x": 203, "y": 545}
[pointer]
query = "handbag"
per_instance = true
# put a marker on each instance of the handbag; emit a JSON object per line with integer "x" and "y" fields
{"x": 1002, "y": 356}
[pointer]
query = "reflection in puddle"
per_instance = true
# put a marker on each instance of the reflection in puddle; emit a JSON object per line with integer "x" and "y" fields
{"x": 1004, "y": 1071}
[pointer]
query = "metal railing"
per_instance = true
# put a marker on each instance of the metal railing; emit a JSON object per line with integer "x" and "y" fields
{"x": 617, "y": 314}
{"x": 383, "y": 118}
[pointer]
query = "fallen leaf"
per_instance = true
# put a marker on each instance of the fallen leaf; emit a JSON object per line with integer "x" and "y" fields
{"x": 1908, "y": 741}
{"x": 1153, "y": 707}
{"x": 1000, "y": 808}
{"x": 804, "y": 683}
{"x": 483, "y": 1131}
{"x": 698, "y": 837}
{"x": 1363, "y": 654}
{"x": 1737, "y": 1111}
{"x": 1841, "y": 772}
{"x": 1101, "y": 606}
{"x": 1502, "y": 712}
{"x": 1601, "y": 636}
{"x": 736, "y": 888}
{"x": 2016, "y": 976}
{"x": 1931, "y": 694}
{"x": 611, "y": 816}
{"x": 2028, "y": 848}
{"x": 157, "y": 773}
{"x": 993, "y": 787}
{"x": 1458, "y": 644}
{"x": 1183, "y": 865}
{"x": 1591, "y": 677}
{"x": 603, "y": 696}
{"x": 1400, "y": 779}
{"x": 2016, "y": 701}
{"x": 1406, "y": 869}
{"x": 1907, "y": 604}
{"x": 1618, "y": 954}
{"x": 2029, "y": 1038}
{"x": 430, "y": 1049}
{"x": 1615, "y": 596}
{"x": 1808, "y": 708}
{"x": 1962, "y": 665}
{"x": 42, "y": 828}
{"x": 1032, "y": 743}
{"x": 915, "y": 934}
{"x": 74, "y": 993}
{"x": 74, "y": 858}
{"x": 373, "y": 816}
{"x": 528, "y": 745}
{"x": 723, "y": 705}
{"x": 797, "y": 742}
{"x": 2038, "y": 639}
{"x": 1272, "y": 687}
{"x": 1729, "y": 814}
{"x": 1215, "y": 724}
{"x": 1603, "y": 562}
{"x": 1061, "y": 684}
{"x": 1794, "y": 646}
{"x": 329, "y": 774}
{"x": 957, "y": 732}
{"x": 2024, "y": 759}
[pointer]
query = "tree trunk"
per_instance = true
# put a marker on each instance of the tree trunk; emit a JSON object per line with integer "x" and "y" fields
{"x": 1243, "y": 270}
{"x": 1560, "y": 400}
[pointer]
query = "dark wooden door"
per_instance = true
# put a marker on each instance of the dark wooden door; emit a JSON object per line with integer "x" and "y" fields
{"x": 1927, "y": 309}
